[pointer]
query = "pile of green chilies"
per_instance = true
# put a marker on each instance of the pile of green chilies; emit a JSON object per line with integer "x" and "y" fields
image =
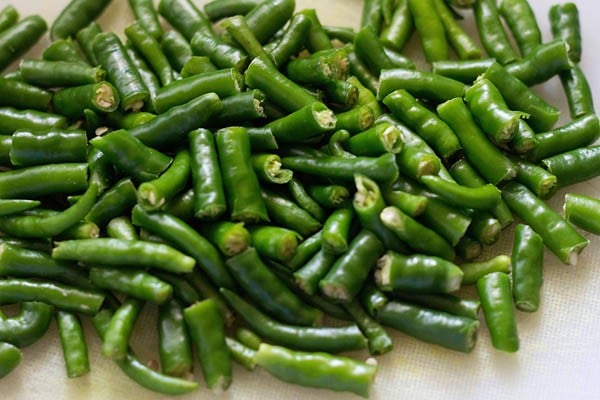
{"x": 247, "y": 172}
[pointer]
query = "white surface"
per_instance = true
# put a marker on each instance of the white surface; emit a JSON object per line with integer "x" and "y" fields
{"x": 559, "y": 356}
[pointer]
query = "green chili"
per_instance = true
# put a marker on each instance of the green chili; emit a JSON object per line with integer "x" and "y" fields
{"x": 582, "y": 211}
{"x": 564, "y": 23}
{"x": 527, "y": 263}
{"x": 574, "y": 166}
{"x": 154, "y": 194}
{"x": 17, "y": 39}
{"x": 174, "y": 345}
{"x": 10, "y": 358}
{"x": 26, "y": 327}
{"x": 73, "y": 343}
{"x": 491, "y": 32}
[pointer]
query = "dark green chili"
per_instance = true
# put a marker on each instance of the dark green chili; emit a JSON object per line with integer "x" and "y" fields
{"x": 307, "y": 277}
{"x": 119, "y": 330}
{"x": 150, "y": 49}
{"x": 184, "y": 16}
{"x": 8, "y": 17}
{"x": 220, "y": 53}
{"x": 10, "y": 358}
{"x": 187, "y": 239}
{"x": 541, "y": 182}
{"x": 231, "y": 238}
{"x": 414, "y": 234}
{"x": 219, "y": 9}
{"x": 26, "y": 327}
{"x": 154, "y": 194}
{"x": 121, "y": 228}
{"x": 542, "y": 63}
{"x": 233, "y": 147}
{"x": 473, "y": 271}
{"x": 433, "y": 326}
{"x": 145, "y": 15}
{"x": 273, "y": 242}
{"x": 460, "y": 41}
{"x": 293, "y": 39}
{"x": 131, "y": 156}
{"x": 176, "y": 48}
{"x": 112, "y": 56}
{"x": 266, "y": 289}
{"x": 417, "y": 273}
{"x": 430, "y": 28}
{"x": 85, "y": 39}
{"x": 48, "y": 146}
{"x": 22, "y": 95}
{"x": 400, "y": 27}
{"x": 138, "y": 371}
{"x": 348, "y": 274}
{"x": 12, "y": 119}
{"x": 322, "y": 338}
{"x": 75, "y": 16}
{"x": 72, "y": 102}
{"x": 59, "y": 73}
{"x": 17, "y": 39}
{"x": 444, "y": 302}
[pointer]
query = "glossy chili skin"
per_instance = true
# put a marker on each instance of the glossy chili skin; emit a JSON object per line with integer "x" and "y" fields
{"x": 173, "y": 125}
{"x": 150, "y": 49}
{"x": 370, "y": 50}
{"x": 307, "y": 277}
{"x": 64, "y": 297}
{"x": 274, "y": 242}
{"x": 348, "y": 273}
{"x": 138, "y": 371}
{"x": 12, "y": 120}
{"x": 537, "y": 179}
{"x": 59, "y": 73}
{"x": 401, "y": 26}
{"x": 417, "y": 273}
{"x": 186, "y": 238}
{"x": 48, "y": 146}
{"x": 10, "y": 358}
{"x": 319, "y": 370}
{"x": 124, "y": 253}
{"x": 578, "y": 92}
{"x": 582, "y": 211}
{"x": 221, "y": 53}
{"x": 17, "y": 39}
{"x": 75, "y": 16}
{"x": 207, "y": 180}
{"x": 542, "y": 63}
{"x": 460, "y": 41}
{"x": 121, "y": 228}
{"x": 238, "y": 28}
{"x": 421, "y": 84}
{"x": 424, "y": 122}
{"x": 100, "y": 97}
{"x": 497, "y": 304}
{"x": 292, "y": 40}
{"x": 449, "y": 303}
{"x": 491, "y": 32}
{"x": 329, "y": 339}
{"x": 207, "y": 331}
{"x": 112, "y": 56}
{"x": 564, "y": 23}
{"x": 491, "y": 112}
{"x": 433, "y": 326}
{"x": 558, "y": 235}
{"x": 73, "y": 343}
{"x": 431, "y": 30}
{"x": 23, "y": 96}
{"x": 85, "y": 38}
{"x": 135, "y": 283}
{"x": 146, "y": 16}
{"x": 154, "y": 194}
{"x": 417, "y": 236}
{"x": 219, "y": 9}
{"x": 8, "y": 17}
{"x": 336, "y": 231}
{"x": 305, "y": 123}
{"x": 131, "y": 155}
{"x": 118, "y": 333}
{"x": 267, "y": 290}
{"x": 574, "y": 166}
{"x": 474, "y": 270}
{"x": 578, "y": 133}
{"x": 15, "y": 206}
{"x": 261, "y": 74}
{"x": 267, "y": 18}
{"x": 231, "y": 238}
{"x": 485, "y": 197}
{"x": 196, "y": 65}
{"x": 185, "y": 17}
{"x": 518, "y": 96}
{"x": 174, "y": 344}
{"x": 147, "y": 75}
{"x": 527, "y": 266}
{"x": 176, "y": 48}
{"x": 305, "y": 250}
{"x": 29, "y": 325}
{"x": 478, "y": 149}
{"x": 241, "y": 184}
{"x": 37, "y": 181}
{"x": 522, "y": 23}
{"x": 45, "y": 226}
